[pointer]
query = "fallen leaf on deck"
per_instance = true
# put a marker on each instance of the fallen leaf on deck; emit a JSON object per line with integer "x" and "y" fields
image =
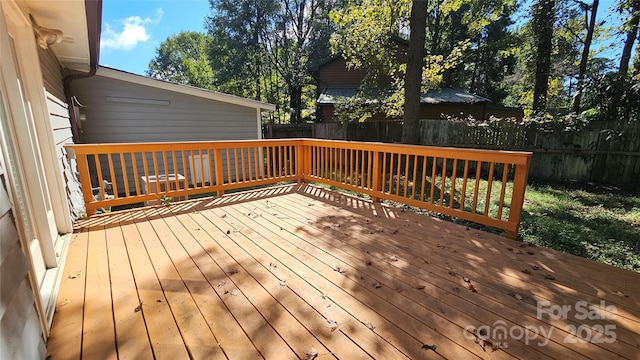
{"x": 620, "y": 293}
{"x": 223, "y": 216}
{"x": 222, "y": 283}
{"x": 228, "y": 232}
{"x": 466, "y": 279}
{"x": 272, "y": 266}
{"x": 74, "y": 275}
{"x": 233, "y": 271}
{"x": 393, "y": 258}
{"x": 429, "y": 347}
{"x": 451, "y": 272}
{"x": 158, "y": 301}
{"x": 472, "y": 288}
{"x": 370, "y": 326}
{"x": 340, "y": 269}
{"x": 234, "y": 292}
{"x": 526, "y": 271}
{"x": 517, "y": 296}
{"x": 311, "y": 354}
{"x": 332, "y": 325}
{"x": 399, "y": 288}
{"x": 283, "y": 283}
{"x": 138, "y": 308}
{"x": 535, "y": 267}
{"x": 310, "y": 204}
{"x": 420, "y": 287}
{"x": 377, "y": 285}
{"x": 549, "y": 277}
{"x": 394, "y": 232}
{"x": 368, "y": 262}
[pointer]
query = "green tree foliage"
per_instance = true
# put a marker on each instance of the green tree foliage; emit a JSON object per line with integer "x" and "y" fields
{"x": 183, "y": 58}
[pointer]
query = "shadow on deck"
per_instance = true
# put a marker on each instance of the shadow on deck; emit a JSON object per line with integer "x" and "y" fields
{"x": 299, "y": 271}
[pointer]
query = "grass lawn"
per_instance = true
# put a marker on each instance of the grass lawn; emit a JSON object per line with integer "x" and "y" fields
{"x": 589, "y": 221}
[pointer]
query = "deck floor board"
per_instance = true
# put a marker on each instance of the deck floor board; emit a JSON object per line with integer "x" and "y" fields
{"x": 297, "y": 270}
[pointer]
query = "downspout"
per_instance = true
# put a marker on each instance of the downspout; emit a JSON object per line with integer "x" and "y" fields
{"x": 93, "y": 11}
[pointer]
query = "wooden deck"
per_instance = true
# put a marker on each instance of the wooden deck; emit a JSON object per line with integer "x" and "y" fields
{"x": 302, "y": 272}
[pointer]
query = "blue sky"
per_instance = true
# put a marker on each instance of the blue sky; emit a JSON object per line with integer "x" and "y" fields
{"x": 132, "y": 30}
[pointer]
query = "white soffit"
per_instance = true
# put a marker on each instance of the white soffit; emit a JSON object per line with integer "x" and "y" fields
{"x": 69, "y": 17}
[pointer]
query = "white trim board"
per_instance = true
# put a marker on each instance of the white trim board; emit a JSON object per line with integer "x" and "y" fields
{"x": 183, "y": 89}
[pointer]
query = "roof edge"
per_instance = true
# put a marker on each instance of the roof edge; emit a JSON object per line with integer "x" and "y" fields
{"x": 183, "y": 89}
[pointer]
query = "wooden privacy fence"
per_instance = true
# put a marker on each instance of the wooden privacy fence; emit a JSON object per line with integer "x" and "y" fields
{"x": 483, "y": 186}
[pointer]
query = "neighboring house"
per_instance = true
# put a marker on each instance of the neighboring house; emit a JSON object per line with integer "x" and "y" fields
{"x": 335, "y": 81}
{"x": 46, "y": 49}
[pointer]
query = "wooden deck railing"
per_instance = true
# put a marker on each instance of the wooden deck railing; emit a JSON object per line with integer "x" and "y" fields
{"x": 482, "y": 186}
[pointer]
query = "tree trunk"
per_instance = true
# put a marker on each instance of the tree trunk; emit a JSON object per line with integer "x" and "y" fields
{"x": 582, "y": 71}
{"x": 631, "y": 38}
{"x": 543, "y": 21}
{"x": 413, "y": 77}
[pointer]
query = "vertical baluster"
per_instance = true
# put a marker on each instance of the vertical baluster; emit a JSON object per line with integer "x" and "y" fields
{"x": 166, "y": 171}
{"x": 433, "y": 180}
{"x": 415, "y": 174}
{"x": 463, "y": 195}
{"x": 145, "y": 170}
{"x": 192, "y": 163}
{"x": 228, "y": 157}
{"x": 125, "y": 178}
{"x": 443, "y": 180}
{"x": 175, "y": 170}
{"x": 398, "y": 173}
{"x": 424, "y": 177}
{"x": 383, "y": 184}
{"x": 185, "y": 169}
{"x": 211, "y": 154}
{"x": 370, "y": 172}
{"x": 291, "y": 161}
{"x": 114, "y": 180}
{"x": 103, "y": 191}
{"x": 505, "y": 175}
{"x": 235, "y": 163}
{"x": 203, "y": 178}
{"x": 242, "y": 161}
{"x": 136, "y": 176}
{"x": 406, "y": 175}
{"x": 489, "y": 184}
{"x": 453, "y": 183}
{"x": 476, "y": 189}
{"x": 157, "y": 172}
{"x": 257, "y": 159}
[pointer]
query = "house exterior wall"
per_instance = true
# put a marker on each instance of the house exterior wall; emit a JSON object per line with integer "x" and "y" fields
{"x": 120, "y": 111}
{"x": 19, "y": 322}
{"x": 336, "y": 74}
{"x": 59, "y": 118}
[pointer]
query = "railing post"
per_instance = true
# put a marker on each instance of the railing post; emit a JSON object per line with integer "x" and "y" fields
{"x": 517, "y": 196}
{"x": 85, "y": 180}
{"x": 377, "y": 175}
{"x": 217, "y": 155}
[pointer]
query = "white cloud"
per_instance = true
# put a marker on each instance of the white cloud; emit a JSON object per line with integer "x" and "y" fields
{"x": 135, "y": 30}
